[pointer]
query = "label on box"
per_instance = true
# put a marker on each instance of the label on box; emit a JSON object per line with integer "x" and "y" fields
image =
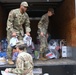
{"x": 37, "y": 70}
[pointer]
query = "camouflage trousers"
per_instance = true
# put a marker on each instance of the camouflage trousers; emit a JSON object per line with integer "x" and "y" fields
{"x": 19, "y": 36}
{"x": 9, "y": 48}
{"x": 43, "y": 44}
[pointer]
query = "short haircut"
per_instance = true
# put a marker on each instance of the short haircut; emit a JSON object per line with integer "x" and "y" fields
{"x": 21, "y": 47}
{"x": 51, "y": 9}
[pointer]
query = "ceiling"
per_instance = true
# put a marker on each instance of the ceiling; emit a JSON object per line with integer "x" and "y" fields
{"x": 9, "y": 1}
{"x": 33, "y": 4}
{"x": 38, "y": 6}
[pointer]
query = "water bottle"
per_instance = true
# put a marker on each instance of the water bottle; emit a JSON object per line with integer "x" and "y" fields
{"x": 0, "y": 47}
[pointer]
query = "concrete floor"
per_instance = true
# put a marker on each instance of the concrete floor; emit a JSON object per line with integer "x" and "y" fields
{"x": 61, "y": 61}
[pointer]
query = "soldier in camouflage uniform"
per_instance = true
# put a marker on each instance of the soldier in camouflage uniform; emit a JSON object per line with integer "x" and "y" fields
{"x": 16, "y": 19}
{"x": 42, "y": 32}
{"x": 24, "y": 62}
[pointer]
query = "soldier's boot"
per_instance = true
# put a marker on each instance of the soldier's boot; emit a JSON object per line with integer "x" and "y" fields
{"x": 10, "y": 62}
{"x": 42, "y": 57}
{"x": 9, "y": 55}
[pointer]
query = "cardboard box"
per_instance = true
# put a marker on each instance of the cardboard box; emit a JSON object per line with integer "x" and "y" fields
{"x": 66, "y": 51}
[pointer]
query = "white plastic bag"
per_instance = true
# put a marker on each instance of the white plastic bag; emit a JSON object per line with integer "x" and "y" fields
{"x": 4, "y": 73}
{"x": 27, "y": 40}
{"x": 13, "y": 41}
{"x": 50, "y": 55}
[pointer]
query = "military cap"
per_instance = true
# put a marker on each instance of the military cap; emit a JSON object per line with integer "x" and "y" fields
{"x": 20, "y": 42}
{"x": 24, "y": 4}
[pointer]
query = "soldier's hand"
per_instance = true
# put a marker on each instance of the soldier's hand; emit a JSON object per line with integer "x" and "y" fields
{"x": 42, "y": 34}
{"x": 6, "y": 70}
{"x": 14, "y": 34}
{"x": 28, "y": 33}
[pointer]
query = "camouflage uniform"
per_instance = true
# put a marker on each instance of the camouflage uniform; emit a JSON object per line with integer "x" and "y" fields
{"x": 14, "y": 24}
{"x": 24, "y": 64}
{"x": 42, "y": 27}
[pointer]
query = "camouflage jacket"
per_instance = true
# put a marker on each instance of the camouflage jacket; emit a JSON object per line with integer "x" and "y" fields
{"x": 24, "y": 64}
{"x": 43, "y": 24}
{"x": 16, "y": 20}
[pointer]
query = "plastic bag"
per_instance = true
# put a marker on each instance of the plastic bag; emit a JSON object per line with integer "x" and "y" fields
{"x": 4, "y": 73}
{"x": 27, "y": 40}
{"x": 13, "y": 41}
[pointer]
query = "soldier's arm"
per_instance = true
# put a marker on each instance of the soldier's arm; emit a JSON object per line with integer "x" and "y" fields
{"x": 41, "y": 23}
{"x": 19, "y": 68}
{"x": 27, "y": 23}
{"x": 10, "y": 21}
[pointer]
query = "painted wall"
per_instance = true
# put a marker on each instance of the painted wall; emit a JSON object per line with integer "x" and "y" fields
{"x": 66, "y": 22}
{"x": 2, "y": 23}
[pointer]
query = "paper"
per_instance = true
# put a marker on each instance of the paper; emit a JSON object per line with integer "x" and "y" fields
{"x": 4, "y": 73}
